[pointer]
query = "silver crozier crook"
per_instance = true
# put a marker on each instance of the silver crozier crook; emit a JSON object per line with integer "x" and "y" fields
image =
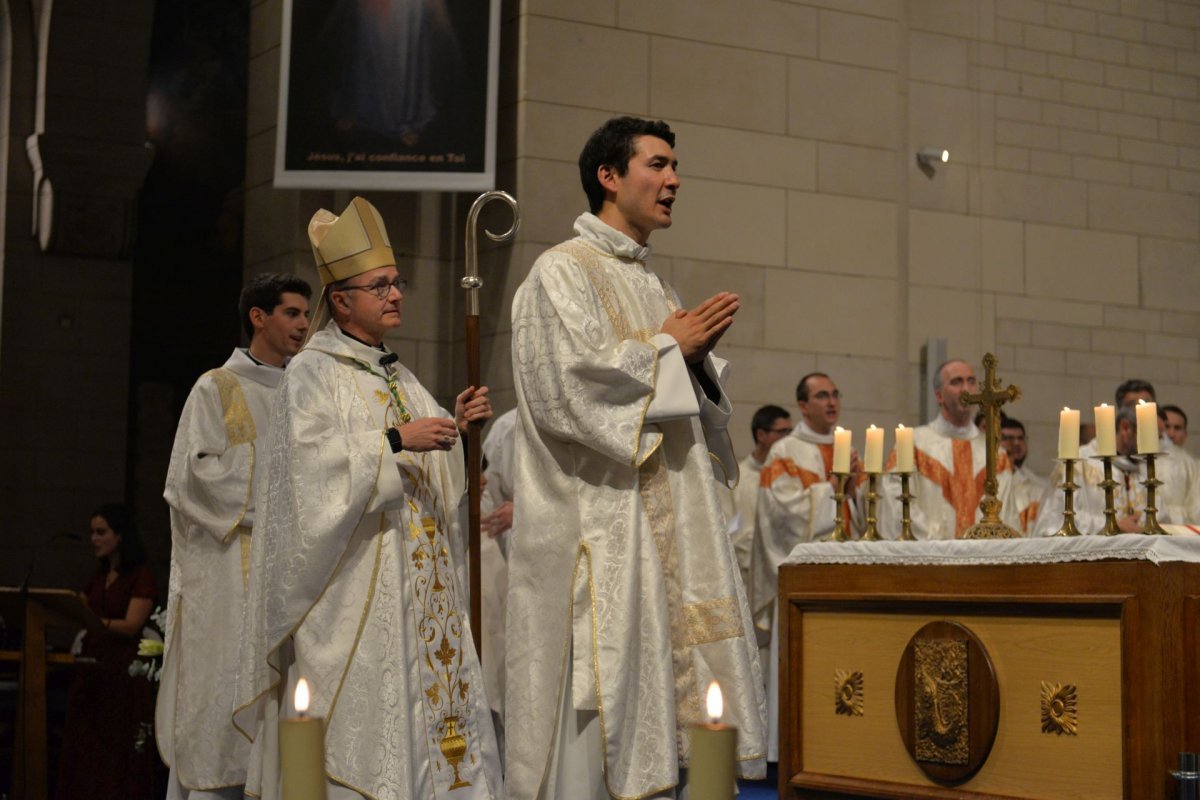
{"x": 472, "y": 283}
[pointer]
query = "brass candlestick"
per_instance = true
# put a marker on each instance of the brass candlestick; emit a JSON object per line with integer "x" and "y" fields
{"x": 1151, "y": 483}
{"x": 906, "y": 498}
{"x": 871, "y": 534}
{"x": 1068, "y": 527}
{"x": 840, "y": 528}
{"x": 1111, "y": 528}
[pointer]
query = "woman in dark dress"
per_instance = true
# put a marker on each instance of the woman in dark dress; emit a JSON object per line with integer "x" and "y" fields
{"x": 108, "y": 745}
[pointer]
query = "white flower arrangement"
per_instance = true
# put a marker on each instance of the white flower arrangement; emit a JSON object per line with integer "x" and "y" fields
{"x": 151, "y": 647}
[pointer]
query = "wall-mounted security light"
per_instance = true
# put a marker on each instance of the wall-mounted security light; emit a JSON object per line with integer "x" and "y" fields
{"x": 929, "y": 157}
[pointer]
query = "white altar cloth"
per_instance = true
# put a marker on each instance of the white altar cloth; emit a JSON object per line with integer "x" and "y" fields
{"x": 1183, "y": 546}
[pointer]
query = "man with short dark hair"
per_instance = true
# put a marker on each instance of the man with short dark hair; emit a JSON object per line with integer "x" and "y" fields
{"x": 795, "y": 505}
{"x": 356, "y": 553}
{"x": 210, "y": 490}
{"x": 1178, "y": 499}
{"x": 1176, "y": 424}
{"x": 1180, "y": 472}
{"x": 1029, "y": 488}
{"x": 1130, "y": 391}
{"x": 769, "y": 424}
{"x": 623, "y": 584}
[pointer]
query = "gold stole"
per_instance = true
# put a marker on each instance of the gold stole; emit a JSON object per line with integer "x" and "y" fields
{"x": 239, "y": 429}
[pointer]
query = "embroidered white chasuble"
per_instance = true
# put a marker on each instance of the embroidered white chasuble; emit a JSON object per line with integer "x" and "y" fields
{"x": 354, "y": 572}
{"x": 210, "y": 483}
{"x": 951, "y": 465}
{"x": 621, "y": 569}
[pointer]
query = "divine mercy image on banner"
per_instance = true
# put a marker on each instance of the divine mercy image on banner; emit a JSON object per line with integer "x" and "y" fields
{"x": 388, "y": 94}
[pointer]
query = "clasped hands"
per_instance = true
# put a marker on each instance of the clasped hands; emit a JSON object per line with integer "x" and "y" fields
{"x": 439, "y": 433}
{"x": 697, "y": 331}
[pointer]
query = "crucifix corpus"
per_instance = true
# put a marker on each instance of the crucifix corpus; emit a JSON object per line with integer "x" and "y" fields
{"x": 990, "y": 398}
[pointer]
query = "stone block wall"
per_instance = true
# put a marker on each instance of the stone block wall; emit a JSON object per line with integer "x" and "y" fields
{"x": 1063, "y": 235}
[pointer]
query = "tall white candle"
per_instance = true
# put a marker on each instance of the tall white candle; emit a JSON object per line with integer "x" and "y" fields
{"x": 714, "y": 750}
{"x": 1106, "y": 430}
{"x": 904, "y": 449}
{"x": 302, "y": 751}
{"x": 1147, "y": 427}
{"x": 873, "y": 457}
{"x": 1068, "y": 433}
{"x": 841, "y": 450}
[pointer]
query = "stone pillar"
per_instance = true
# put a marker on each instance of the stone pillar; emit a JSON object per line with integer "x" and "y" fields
{"x": 75, "y": 160}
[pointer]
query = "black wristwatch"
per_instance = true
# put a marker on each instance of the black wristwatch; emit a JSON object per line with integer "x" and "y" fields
{"x": 393, "y": 437}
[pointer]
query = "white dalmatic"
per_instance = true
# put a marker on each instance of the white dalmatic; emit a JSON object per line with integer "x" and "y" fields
{"x": 356, "y": 589}
{"x": 493, "y": 555}
{"x": 623, "y": 584}
{"x": 210, "y": 490}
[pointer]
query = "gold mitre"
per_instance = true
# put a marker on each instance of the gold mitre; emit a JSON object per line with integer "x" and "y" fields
{"x": 349, "y": 245}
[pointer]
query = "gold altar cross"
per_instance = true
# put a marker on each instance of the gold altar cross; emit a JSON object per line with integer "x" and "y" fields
{"x": 990, "y": 399}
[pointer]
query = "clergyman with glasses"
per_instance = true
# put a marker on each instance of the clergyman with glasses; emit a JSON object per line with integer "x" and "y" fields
{"x": 355, "y": 574}
{"x": 795, "y": 505}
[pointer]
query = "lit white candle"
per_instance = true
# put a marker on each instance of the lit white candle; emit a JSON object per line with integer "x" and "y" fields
{"x": 302, "y": 751}
{"x": 1068, "y": 433}
{"x": 1147, "y": 427}
{"x": 1106, "y": 430}
{"x": 873, "y": 457}
{"x": 714, "y": 749}
{"x": 841, "y": 450}
{"x": 904, "y": 449}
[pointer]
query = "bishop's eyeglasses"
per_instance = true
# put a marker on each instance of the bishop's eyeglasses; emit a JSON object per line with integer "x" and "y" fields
{"x": 380, "y": 288}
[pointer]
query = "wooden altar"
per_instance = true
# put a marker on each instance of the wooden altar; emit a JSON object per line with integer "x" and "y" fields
{"x": 1120, "y": 635}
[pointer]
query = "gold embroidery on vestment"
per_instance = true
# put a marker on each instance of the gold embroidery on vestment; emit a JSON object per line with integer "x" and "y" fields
{"x": 655, "y": 489}
{"x": 440, "y": 624}
{"x": 244, "y": 539}
{"x": 239, "y": 428}
{"x": 712, "y": 621}
{"x": 239, "y": 424}
{"x": 589, "y": 260}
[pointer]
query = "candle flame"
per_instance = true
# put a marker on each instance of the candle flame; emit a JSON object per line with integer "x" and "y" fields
{"x": 1066, "y": 408}
{"x": 1104, "y": 405}
{"x": 873, "y": 427}
{"x": 715, "y": 703}
{"x": 839, "y": 429}
{"x": 900, "y": 426}
{"x": 1141, "y": 401}
{"x": 301, "y": 697}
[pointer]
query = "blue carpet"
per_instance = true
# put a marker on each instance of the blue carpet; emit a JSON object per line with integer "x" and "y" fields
{"x": 761, "y": 790}
{"x": 757, "y": 790}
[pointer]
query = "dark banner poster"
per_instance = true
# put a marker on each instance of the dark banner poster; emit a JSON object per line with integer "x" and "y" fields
{"x": 388, "y": 94}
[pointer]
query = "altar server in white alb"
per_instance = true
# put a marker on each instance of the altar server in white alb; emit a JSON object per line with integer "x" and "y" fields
{"x": 354, "y": 553}
{"x": 624, "y": 600}
{"x": 950, "y": 455}
{"x": 215, "y": 465}
{"x": 769, "y": 424}
{"x": 795, "y": 505}
{"x": 1129, "y": 495}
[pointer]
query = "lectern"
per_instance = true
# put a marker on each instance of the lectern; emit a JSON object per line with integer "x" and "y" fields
{"x": 33, "y": 611}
